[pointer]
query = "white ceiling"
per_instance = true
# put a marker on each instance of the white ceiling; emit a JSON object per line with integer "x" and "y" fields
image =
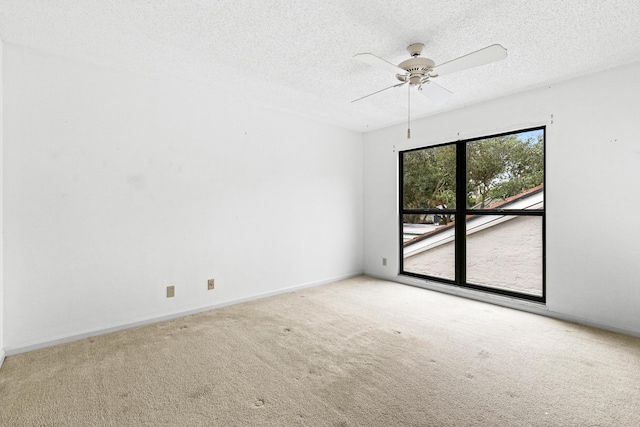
{"x": 297, "y": 55}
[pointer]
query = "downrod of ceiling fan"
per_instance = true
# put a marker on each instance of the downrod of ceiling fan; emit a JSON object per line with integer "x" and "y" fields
{"x": 415, "y": 49}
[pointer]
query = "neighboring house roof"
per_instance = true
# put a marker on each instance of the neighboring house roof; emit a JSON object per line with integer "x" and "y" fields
{"x": 529, "y": 199}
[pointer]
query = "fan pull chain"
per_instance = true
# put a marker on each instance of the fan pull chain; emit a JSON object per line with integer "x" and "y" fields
{"x": 409, "y": 112}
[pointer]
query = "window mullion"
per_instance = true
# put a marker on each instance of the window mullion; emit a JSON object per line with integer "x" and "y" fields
{"x": 461, "y": 212}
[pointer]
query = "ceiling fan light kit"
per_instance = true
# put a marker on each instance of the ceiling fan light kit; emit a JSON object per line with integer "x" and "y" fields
{"x": 419, "y": 71}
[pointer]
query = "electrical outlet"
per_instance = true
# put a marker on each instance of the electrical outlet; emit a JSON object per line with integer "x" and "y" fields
{"x": 210, "y": 284}
{"x": 384, "y": 261}
{"x": 171, "y": 291}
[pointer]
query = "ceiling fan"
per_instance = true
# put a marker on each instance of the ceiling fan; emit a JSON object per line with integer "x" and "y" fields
{"x": 419, "y": 72}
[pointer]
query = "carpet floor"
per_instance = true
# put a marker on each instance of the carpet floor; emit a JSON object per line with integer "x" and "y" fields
{"x": 359, "y": 352}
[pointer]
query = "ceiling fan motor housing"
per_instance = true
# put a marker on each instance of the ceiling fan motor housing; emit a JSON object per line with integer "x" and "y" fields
{"x": 417, "y": 68}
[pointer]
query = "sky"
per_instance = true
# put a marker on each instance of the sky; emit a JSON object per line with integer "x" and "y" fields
{"x": 531, "y": 134}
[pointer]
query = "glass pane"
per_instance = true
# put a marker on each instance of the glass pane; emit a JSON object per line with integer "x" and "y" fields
{"x": 429, "y": 179}
{"x": 506, "y": 172}
{"x": 429, "y": 246}
{"x": 505, "y": 252}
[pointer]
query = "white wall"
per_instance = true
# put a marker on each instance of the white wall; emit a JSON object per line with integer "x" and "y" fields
{"x": 117, "y": 186}
{"x": 1, "y": 221}
{"x": 592, "y": 179}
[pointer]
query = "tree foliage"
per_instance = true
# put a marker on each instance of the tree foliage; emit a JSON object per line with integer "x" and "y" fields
{"x": 497, "y": 168}
{"x": 430, "y": 177}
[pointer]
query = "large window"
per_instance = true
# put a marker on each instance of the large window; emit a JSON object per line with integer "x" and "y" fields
{"x": 472, "y": 213}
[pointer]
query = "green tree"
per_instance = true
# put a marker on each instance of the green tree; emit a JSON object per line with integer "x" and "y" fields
{"x": 524, "y": 170}
{"x": 487, "y": 159}
{"x": 430, "y": 179}
{"x": 501, "y": 167}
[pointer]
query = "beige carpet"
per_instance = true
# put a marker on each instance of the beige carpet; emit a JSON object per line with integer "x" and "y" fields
{"x": 360, "y": 352}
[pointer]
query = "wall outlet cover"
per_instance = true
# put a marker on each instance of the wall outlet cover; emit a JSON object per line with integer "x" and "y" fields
{"x": 210, "y": 284}
{"x": 171, "y": 291}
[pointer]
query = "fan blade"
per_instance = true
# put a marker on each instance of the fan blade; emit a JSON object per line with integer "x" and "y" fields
{"x": 435, "y": 93}
{"x": 374, "y": 61}
{"x": 381, "y": 90}
{"x": 475, "y": 59}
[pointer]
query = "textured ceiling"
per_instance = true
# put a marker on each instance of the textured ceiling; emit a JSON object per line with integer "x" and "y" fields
{"x": 297, "y": 55}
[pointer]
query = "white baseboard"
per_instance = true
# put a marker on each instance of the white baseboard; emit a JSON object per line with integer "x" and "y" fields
{"x": 146, "y": 321}
{"x": 505, "y": 301}
{"x": 592, "y": 324}
{"x": 2, "y": 355}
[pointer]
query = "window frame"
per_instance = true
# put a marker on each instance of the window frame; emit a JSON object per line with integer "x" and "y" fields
{"x": 461, "y": 212}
